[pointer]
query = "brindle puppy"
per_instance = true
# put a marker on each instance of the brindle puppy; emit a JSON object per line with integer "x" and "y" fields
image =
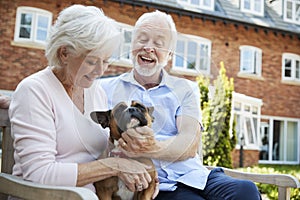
{"x": 119, "y": 119}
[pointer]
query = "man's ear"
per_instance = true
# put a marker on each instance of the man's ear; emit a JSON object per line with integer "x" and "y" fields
{"x": 101, "y": 117}
{"x": 170, "y": 55}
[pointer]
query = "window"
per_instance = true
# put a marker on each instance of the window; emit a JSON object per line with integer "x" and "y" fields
{"x": 280, "y": 140}
{"x": 291, "y": 67}
{"x": 250, "y": 60}
{"x": 123, "y": 54}
{"x": 292, "y": 11}
{"x": 192, "y": 54}
{"x": 246, "y": 111}
{"x": 32, "y": 25}
{"x": 255, "y": 7}
{"x": 204, "y": 4}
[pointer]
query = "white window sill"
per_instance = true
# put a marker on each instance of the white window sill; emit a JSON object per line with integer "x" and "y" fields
{"x": 32, "y": 45}
{"x": 250, "y": 76}
{"x": 290, "y": 82}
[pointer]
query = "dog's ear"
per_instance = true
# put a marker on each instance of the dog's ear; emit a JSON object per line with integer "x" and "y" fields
{"x": 101, "y": 117}
{"x": 150, "y": 110}
{"x": 118, "y": 109}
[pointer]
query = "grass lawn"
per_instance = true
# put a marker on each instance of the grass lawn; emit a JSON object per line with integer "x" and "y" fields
{"x": 269, "y": 190}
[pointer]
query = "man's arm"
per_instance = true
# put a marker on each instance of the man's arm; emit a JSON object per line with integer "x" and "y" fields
{"x": 140, "y": 142}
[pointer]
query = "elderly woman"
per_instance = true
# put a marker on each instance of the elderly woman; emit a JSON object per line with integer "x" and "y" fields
{"x": 55, "y": 140}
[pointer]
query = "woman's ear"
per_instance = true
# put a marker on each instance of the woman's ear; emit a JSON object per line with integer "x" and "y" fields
{"x": 62, "y": 55}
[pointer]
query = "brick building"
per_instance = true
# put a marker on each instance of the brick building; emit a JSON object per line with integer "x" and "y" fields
{"x": 258, "y": 41}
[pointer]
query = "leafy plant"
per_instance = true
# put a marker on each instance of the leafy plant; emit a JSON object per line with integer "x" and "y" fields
{"x": 218, "y": 142}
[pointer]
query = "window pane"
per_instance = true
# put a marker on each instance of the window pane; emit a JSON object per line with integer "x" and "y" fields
{"x": 264, "y": 148}
{"x": 25, "y": 26}
{"x": 127, "y": 36}
{"x": 204, "y": 59}
{"x": 191, "y": 59}
{"x": 26, "y": 19}
{"x": 237, "y": 106}
{"x": 179, "y": 54}
{"x": 257, "y": 5}
{"x": 41, "y": 35}
{"x": 292, "y": 135}
{"x": 126, "y": 45}
{"x": 297, "y": 13}
{"x": 247, "y": 56}
{"x": 277, "y": 137}
{"x": 247, "y": 4}
{"x": 289, "y": 10}
{"x": 287, "y": 67}
{"x": 249, "y": 130}
{"x": 207, "y": 3}
{"x": 297, "y": 69}
{"x": 43, "y": 22}
{"x": 195, "y": 2}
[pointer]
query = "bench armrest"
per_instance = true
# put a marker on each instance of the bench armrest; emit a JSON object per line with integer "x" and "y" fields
{"x": 283, "y": 181}
{"x": 12, "y": 185}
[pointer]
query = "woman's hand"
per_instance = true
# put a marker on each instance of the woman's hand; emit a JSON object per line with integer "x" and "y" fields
{"x": 133, "y": 173}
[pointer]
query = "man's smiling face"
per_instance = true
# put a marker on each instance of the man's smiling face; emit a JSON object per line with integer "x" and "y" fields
{"x": 150, "y": 46}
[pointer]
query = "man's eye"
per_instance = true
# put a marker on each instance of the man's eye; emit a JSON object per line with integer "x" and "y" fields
{"x": 92, "y": 62}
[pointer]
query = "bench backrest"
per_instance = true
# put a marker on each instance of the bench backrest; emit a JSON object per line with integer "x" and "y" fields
{"x": 7, "y": 160}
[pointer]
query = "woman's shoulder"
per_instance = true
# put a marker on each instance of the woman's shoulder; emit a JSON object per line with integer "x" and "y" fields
{"x": 35, "y": 80}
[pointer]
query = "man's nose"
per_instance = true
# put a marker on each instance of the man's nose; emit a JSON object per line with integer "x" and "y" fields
{"x": 149, "y": 46}
{"x": 149, "y": 49}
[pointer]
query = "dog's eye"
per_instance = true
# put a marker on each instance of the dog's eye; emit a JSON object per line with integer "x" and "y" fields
{"x": 141, "y": 107}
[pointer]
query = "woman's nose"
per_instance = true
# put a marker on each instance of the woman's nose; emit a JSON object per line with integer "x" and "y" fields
{"x": 100, "y": 68}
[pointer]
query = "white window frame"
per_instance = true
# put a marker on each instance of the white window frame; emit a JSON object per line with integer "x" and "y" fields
{"x": 199, "y": 42}
{"x": 284, "y": 135}
{"x": 202, "y": 4}
{"x": 295, "y": 14}
{"x": 120, "y": 55}
{"x": 295, "y": 67}
{"x": 250, "y": 65}
{"x": 252, "y": 115}
{"x": 252, "y": 9}
{"x": 36, "y": 13}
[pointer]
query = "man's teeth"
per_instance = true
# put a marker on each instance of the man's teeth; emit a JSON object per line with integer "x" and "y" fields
{"x": 147, "y": 59}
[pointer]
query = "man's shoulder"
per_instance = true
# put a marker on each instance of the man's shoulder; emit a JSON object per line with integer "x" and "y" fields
{"x": 180, "y": 82}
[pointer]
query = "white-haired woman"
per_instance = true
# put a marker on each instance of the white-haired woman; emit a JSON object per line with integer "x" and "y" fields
{"x": 55, "y": 140}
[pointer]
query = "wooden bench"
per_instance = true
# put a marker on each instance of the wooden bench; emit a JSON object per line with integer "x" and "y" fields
{"x": 12, "y": 185}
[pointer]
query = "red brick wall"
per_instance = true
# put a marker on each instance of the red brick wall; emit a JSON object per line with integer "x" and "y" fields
{"x": 250, "y": 158}
{"x": 19, "y": 62}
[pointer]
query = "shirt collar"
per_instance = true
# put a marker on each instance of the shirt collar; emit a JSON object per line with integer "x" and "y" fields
{"x": 165, "y": 81}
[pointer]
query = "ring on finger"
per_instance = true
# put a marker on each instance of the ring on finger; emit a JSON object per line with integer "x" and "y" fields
{"x": 139, "y": 187}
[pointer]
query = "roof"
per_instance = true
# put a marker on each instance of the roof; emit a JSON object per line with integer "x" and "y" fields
{"x": 229, "y": 11}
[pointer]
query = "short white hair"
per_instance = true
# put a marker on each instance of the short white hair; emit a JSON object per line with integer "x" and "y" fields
{"x": 163, "y": 16}
{"x": 80, "y": 29}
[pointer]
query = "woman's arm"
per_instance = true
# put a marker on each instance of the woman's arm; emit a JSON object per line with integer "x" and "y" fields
{"x": 130, "y": 171}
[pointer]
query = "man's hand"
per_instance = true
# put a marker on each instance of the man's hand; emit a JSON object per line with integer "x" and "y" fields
{"x": 4, "y": 101}
{"x": 139, "y": 141}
